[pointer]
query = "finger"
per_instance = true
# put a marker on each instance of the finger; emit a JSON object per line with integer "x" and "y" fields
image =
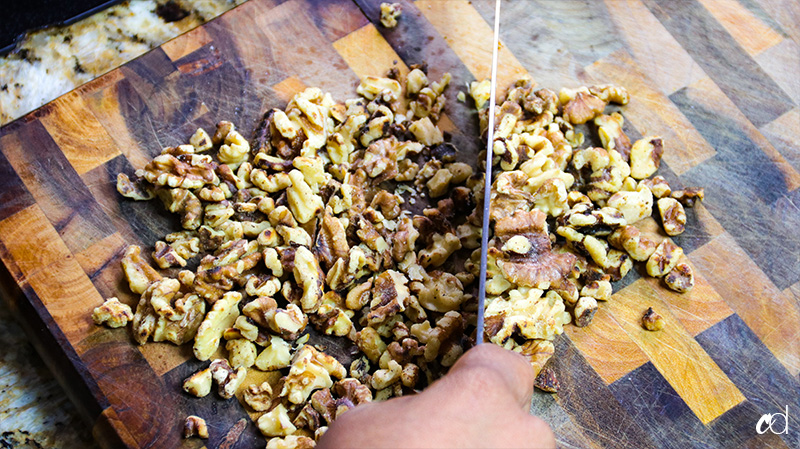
{"x": 538, "y": 433}
{"x": 492, "y": 370}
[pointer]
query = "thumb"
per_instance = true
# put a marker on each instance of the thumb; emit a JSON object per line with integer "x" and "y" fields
{"x": 491, "y": 370}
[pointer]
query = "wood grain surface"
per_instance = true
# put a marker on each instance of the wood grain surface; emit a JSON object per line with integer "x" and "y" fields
{"x": 719, "y": 80}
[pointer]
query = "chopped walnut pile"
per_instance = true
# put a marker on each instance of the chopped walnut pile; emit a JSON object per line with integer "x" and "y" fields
{"x": 592, "y": 197}
{"x": 355, "y": 221}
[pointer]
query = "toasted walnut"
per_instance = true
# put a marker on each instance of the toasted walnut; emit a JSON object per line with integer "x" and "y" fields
{"x": 538, "y": 267}
{"x": 633, "y": 205}
{"x": 277, "y": 355}
{"x": 309, "y": 276}
{"x": 680, "y": 278}
{"x": 646, "y": 156}
{"x": 664, "y": 258}
{"x": 199, "y": 383}
{"x": 217, "y": 274}
{"x": 112, "y": 313}
{"x": 370, "y": 343}
{"x": 166, "y": 256}
{"x": 310, "y": 370}
{"x": 599, "y": 290}
{"x": 584, "y": 311}
{"x": 526, "y": 311}
{"x": 195, "y": 426}
{"x": 582, "y": 108}
{"x": 228, "y": 380}
{"x": 652, "y": 321}
{"x": 609, "y": 128}
{"x": 440, "y": 249}
{"x": 426, "y": 132}
{"x": 258, "y": 397}
{"x": 538, "y": 352}
{"x": 439, "y": 292}
{"x": 221, "y": 316}
{"x": 303, "y": 202}
{"x": 241, "y": 352}
{"x": 291, "y": 442}
{"x": 384, "y": 378}
{"x": 658, "y": 185}
{"x": 439, "y": 183}
{"x": 166, "y": 314}
{"x": 134, "y": 189}
{"x": 689, "y": 195}
{"x": 389, "y": 296}
{"x": 673, "y": 217}
{"x": 353, "y": 391}
{"x": 636, "y": 244}
{"x": 390, "y": 12}
{"x": 546, "y": 380}
{"x": 189, "y": 171}
{"x": 611, "y": 93}
{"x": 480, "y": 92}
{"x": 140, "y": 275}
{"x": 276, "y": 423}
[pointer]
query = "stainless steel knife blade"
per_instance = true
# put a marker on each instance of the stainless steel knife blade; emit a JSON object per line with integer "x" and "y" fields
{"x": 487, "y": 188}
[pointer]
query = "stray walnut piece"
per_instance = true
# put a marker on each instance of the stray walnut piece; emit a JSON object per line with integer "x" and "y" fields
{"x": 652, "y": 321}
{"x": 390, "y": 12}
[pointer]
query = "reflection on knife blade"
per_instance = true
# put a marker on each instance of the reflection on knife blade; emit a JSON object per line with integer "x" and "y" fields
{"x": 487, "y": 190}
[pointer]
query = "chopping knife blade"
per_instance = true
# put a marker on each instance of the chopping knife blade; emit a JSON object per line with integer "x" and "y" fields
{"x": 487, "y": 187}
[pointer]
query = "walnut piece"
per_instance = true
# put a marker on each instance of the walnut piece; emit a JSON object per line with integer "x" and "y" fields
{"x": 664, "y": 258}
{"x": 112, "y": 313}
{"x": 258, "y": 397}
{"x": 673, "y": 217}
{"x": 199, "y": 383}
{"x": 652, "y": 321}
{"x": 221, "y": 316}
{"x": 680, "y": 278}
{"x": 390, "y": 12}
{"x": 646, "y": 157}
{"x": 195, "y": 426}
{"x": 310, "y": 370}
{"x": 276, "y": 423}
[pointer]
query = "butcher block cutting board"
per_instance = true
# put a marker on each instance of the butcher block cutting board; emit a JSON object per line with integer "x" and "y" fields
{"x": 718, "y": 80}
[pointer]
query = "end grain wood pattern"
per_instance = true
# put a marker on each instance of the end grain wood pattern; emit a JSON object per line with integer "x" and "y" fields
{"x": 716, "y": 79}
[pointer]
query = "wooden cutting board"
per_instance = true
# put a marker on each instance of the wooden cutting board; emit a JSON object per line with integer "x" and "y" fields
{"x": 718, "y": 80}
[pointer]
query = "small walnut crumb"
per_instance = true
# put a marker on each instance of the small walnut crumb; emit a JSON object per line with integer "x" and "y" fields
{"x": 390, "y": 12}
{"x": 689, "y": 195}
{"x": 680, "y": 278}
{"x": 584, "y": 311}
{"x": 652, "y": 321}
{"x": 195, "y": 426}
{"x": 673, "y": 217}
{"x": 112, "y": 313}
{"x": 546, "y": 380}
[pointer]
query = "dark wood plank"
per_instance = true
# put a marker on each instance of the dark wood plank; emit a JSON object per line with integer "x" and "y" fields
{"x": 14, "y": 196}
{"x": 661, "y": 412}
{"x": 56, "y": 186}
{"x": 757, "y": 373}
{"x": 592, "y": 405}
{"x": 741, "y": 78}
{"x": 742, "y": 187}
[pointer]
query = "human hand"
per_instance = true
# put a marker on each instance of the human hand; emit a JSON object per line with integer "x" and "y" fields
{"x": 482, "y": 402}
